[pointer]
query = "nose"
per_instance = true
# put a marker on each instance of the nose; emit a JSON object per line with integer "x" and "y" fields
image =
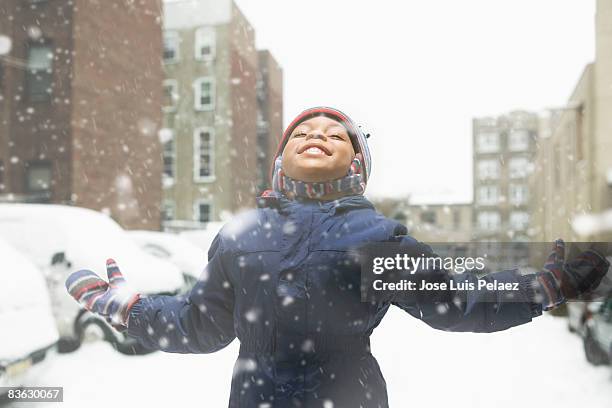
{"x": 316, "y": 134}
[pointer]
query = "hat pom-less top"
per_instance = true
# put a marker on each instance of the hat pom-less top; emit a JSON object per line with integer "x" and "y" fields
{"x": 358, "y": 173}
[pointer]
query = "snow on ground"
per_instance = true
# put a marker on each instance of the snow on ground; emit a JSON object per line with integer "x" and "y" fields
{"x": 536, "y": 365}
{"x": 539, "y": 364}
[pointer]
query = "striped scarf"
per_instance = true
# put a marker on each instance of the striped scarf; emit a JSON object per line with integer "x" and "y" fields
{"x": 351, "y": 184}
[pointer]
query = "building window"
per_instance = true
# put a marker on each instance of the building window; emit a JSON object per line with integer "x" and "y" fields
{"x": 518, "y": 140}
{"x": 519, "y": 220}
{"x": 488, "y": 195}
{"x": 2, "y": 186}
{"x": 1, "y": 82}
{"x": 205, "y": 40}
{"x": 428, "y": 217}
{"x": 488, "y": 142}
{"x": 557, "y": 165}
{"x": 169, "y": 156}
{"x": 203, "y": 211}
{"x": 171, "y": 47}
{"x": 518, "y": 194}
{"x": 203, "y": 149}
{"x": 518, "y": 167}
{"x": 456, "y": 219}
{"x": 168, "y": 210}
{"x": 489, "y": 220}
{"x": 204, "y": 90}
{"x": 488, "y": 169}
{"x": 170, "y": 95}
{"x": 39, "y": 73}
{"x": 38, "y": 177}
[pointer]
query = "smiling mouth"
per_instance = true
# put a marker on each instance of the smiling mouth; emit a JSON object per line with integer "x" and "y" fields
{"x": 315, "y": 150}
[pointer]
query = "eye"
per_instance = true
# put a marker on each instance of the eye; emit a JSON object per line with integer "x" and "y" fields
{"x": 299, "y": 134}
{"x": 337, "y": 137}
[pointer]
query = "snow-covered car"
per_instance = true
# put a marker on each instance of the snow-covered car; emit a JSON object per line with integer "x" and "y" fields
{"x": 62, "y": 239}
{"x": 29, "y": 334}
{"x": 203, "y": 237}
{"x": 189, "y": 258}
{"x": 598, "y": 333}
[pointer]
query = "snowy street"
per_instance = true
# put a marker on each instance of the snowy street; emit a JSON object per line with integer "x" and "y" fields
{"x": 537, "y": 365}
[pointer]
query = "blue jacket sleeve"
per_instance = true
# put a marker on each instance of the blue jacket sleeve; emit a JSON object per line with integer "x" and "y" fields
{"x": 201, "y": 322}
{"x": 479, "y": 311}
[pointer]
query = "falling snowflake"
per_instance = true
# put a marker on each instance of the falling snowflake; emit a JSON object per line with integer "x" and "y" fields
{"x": 252, "y": 315}
{"x": 289, "y": 228}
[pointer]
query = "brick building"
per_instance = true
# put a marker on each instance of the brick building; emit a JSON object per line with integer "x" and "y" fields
{"x": 222, "y": 101}
{"x": 80, "y": 104}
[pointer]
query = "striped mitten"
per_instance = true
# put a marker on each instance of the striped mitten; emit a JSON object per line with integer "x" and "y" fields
{"x": 111, "y": 300}
{"x": 560, "y": 280}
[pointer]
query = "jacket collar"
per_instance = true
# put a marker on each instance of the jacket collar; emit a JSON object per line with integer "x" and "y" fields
{"x": 274, "y": 199}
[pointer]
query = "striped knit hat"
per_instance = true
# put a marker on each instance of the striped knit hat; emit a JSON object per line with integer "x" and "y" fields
{"x": 359, "y": 171}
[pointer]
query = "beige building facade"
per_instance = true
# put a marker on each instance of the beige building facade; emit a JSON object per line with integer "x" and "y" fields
{"x": 210, "y": 133}
{"x": 504, "y": 152}
{"x": 439, "y": 222}
{"x": 573, "y": 176}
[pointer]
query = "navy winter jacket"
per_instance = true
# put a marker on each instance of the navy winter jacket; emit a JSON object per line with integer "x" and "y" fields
{"x": 281, "y": 280}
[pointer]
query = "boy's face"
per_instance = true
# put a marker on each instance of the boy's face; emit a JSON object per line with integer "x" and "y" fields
{"x": 318, "y": 149}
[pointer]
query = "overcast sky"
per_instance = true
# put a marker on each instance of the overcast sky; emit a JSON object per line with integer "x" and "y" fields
{"x": 417, "y": 72}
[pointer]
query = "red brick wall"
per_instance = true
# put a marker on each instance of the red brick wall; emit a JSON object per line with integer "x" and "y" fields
{"x": 38, "y": 130}
{"x": 117, "y": 109}
{"x": 244, "y": 112}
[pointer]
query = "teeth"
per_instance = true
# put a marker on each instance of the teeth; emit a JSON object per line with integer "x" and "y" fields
{"x": 315, "y": 150}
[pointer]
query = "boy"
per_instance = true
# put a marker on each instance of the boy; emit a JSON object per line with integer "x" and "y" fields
{"x": 280, "y": 278}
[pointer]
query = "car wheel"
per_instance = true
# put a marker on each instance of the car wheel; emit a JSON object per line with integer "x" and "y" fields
{"x": 594, "y": 354}
{"x": 131, "y": 347}
{"x": 68, "y": 345}
{"x": 93, "y": 330}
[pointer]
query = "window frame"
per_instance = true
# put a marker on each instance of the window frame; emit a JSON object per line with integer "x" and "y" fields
{"x": 174, "y": 35}
{"x": 488, "y": 215}
{"x": 168, "y": 181}
{"x": 428, "y": 217}
{"x": 515, "y": 187}
{"x": 2, "y": 81}
{"x": 512, "y": 218}
{"x": 489, "y": 188}
{"x": 481, "y": 165}
{"x": 168, "y": 203}
{"x": 2, "y": 176}
{"x": 171, "y": 82}
{"x": 482, "y": 147}
{"x": 40, "y": 164}
{"x": 524, "y": 170}
{"x": 196, "y": 155}
{"x": 512, "y": 146}
{"x": 196, "y": 209}
{"x": 197, "y": 94}
{"x": 30, "y": 74}
{"x": 200, "y": 39}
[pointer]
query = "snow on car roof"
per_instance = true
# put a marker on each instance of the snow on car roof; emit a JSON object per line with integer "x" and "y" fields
{"x": 87, "y": 238}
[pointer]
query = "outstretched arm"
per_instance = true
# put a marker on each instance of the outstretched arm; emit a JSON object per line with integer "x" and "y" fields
{"x": 489, "y": 310}
{"x": 201, "y": 322}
